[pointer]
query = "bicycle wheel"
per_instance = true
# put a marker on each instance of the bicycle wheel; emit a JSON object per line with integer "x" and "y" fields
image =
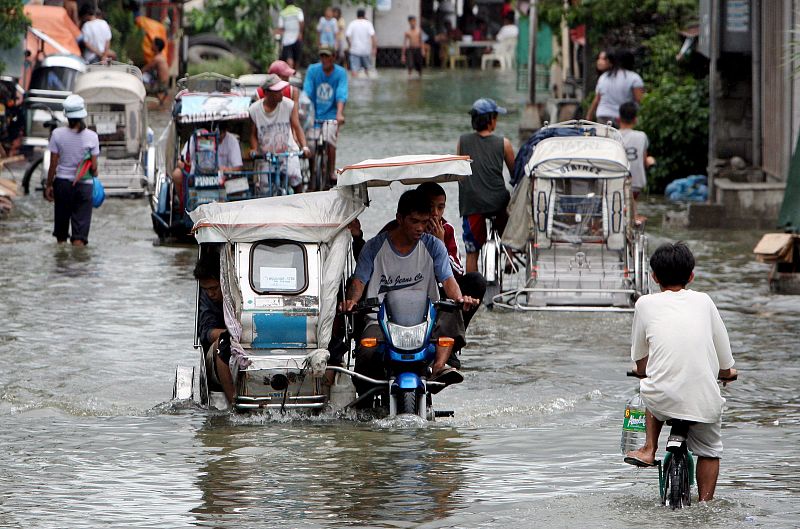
{"x": 316, "y": 175}
{"x": 34, "y": 169}
{"x": 678, "y": 482}
{"x": 325, "y": 170}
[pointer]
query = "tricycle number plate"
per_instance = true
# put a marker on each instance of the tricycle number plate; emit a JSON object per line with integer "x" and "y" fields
{"x": 106, "y": 127}
{"x": 236, "y": 185}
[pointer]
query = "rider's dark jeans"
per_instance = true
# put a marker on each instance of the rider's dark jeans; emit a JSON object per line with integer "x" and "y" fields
{"x": 472, "y": 284}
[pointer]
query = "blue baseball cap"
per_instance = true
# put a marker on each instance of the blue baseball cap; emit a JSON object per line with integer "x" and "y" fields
{"x": 486, "y": 106}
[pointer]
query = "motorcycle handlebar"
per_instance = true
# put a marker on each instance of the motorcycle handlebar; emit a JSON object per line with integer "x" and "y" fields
{"x": 372, "y": 304}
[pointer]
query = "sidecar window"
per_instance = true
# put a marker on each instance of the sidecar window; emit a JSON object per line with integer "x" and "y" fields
{"x": 278, "y": 267}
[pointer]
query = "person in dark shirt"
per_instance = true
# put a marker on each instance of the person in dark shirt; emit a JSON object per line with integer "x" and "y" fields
{"x": 483, "y": 195}
{"x": 211, "y": 327}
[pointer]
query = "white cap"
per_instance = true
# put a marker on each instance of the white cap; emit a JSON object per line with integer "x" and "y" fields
{"x": 74, "y": 107}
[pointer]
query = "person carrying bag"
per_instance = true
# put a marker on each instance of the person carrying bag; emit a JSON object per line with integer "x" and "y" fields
{"x": 70, "y": 182}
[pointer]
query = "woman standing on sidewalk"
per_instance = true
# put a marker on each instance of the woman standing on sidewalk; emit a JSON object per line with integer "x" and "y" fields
{"x": 71, "y": 191}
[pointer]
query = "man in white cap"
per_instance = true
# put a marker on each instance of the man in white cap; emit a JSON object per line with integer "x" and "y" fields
{"x": 68, "y": 185}
{"x": 274, "y": 122}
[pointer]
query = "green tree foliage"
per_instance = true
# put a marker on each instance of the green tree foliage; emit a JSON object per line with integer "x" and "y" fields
{"x": 127, "y": 37}
{"x": 674, "y": 112}
{"x": 245, "y": 23}
{"x": 13, "y": 21}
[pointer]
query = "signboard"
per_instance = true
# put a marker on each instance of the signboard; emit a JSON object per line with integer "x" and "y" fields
{"x": 276, "y": 278}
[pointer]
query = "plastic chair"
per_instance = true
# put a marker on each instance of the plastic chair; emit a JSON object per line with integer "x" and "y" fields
{"x": 454, "y": 58}
{"x": 503, "y": 54}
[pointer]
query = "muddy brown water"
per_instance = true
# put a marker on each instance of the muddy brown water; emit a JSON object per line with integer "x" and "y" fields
{"x": 89, "y": 341}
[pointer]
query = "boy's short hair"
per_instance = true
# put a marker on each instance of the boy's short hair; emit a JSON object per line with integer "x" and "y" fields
{"x": 628, "y": 112}
{"x": 207, "y": 267}
{"x": 672, "y": 264}
{"x": 361, "y": 13}
{"x": 413, "y": 201}
{"x": 431, "y": 190}
{"x": 411, "y": 17}
{"x": 158, "y": 44}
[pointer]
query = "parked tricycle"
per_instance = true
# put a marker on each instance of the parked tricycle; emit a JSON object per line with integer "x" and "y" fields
{"x": 571, "y": 230}
{"x": 117, "y": 111}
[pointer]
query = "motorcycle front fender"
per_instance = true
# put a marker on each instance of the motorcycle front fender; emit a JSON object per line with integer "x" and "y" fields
{"x": 407, "y": 381}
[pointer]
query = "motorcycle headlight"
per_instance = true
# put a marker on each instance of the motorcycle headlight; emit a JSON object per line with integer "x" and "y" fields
{"x": 408, "y": 338}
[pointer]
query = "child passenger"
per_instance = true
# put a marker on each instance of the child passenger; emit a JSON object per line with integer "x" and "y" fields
{"x": 680, "y": 342}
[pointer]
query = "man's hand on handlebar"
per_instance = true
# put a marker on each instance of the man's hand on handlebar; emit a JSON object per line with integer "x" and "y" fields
{"x": 469, "y": 302}
{"x": 347, "y": 305}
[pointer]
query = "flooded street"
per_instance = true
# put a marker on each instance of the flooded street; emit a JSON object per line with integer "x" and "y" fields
{"x": 90, "y": 337}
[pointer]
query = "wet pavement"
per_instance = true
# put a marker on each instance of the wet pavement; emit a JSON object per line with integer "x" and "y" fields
{"x": 89, "y": 341}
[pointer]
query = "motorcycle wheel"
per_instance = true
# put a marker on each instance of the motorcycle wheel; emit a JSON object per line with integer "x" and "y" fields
{"x": 407, "y": 402}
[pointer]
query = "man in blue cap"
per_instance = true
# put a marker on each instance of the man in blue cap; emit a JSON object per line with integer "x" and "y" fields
{"x": 483, "y": 195}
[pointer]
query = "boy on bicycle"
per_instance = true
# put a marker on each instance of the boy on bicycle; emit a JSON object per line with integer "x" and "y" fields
{"x": 680, "y": 342}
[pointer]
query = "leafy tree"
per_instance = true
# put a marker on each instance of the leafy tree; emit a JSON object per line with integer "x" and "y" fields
{"x": 674, "y": 112}
{"x": 127, "y": 37}
{"x": 13, "y": 21}
{"x": 245, "y": 23}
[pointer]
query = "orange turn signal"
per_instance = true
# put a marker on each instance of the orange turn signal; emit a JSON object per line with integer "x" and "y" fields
{"x": 446, "y": 342}
{"x": 369, "y": 342}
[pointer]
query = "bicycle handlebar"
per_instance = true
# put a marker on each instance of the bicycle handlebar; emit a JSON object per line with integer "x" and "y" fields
{"x": 272, "y": 155}
{"x": 721, "y": 379}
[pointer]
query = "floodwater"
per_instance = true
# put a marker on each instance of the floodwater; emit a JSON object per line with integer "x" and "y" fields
{"x": 89, "y": 341}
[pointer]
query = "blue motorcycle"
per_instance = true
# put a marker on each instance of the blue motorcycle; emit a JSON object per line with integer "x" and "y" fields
{"x": 407, "y": 351}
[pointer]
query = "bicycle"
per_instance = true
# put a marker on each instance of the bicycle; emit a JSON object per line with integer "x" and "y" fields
{"x": 276, "y": 182}
{"x": 496, "y": 260}
{"x": 321, "y": 168}
{"x": 676, "y": 471}
{"x": 40, "y": 163}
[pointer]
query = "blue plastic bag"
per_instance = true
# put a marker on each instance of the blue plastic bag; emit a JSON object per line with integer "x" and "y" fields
{"x": 692, "y": 188}
{"x": 98, "y": 193}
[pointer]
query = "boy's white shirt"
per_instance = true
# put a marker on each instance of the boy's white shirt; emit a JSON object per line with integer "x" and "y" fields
{"x": 687, "y": 344}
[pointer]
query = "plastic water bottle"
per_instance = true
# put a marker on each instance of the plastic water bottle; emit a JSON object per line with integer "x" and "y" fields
{"x": 633, "y": 425}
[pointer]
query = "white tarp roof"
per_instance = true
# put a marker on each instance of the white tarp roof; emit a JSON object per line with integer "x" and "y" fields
{"x": 213, "y": 107}
{"x": 305, "y": 217}
{"x": 107, "y": 85}
{"x": 578, "y": 157}
{"x": 409, "y": 169}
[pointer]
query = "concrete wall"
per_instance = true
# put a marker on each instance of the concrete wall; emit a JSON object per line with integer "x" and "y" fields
{"x": 739, "y": 205}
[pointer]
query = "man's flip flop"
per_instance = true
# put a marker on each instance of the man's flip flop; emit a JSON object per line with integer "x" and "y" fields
{"x": 635, "y": 461}
{"x": 448, "y": 375}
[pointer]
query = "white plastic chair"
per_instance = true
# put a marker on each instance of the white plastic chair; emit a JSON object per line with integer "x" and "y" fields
{"x": 503, "y": 54}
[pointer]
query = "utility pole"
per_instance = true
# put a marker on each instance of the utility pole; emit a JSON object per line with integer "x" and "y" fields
{"x": 531, "y": 121}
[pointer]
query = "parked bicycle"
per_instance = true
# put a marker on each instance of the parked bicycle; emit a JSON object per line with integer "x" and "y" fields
{"x": 496, "y": 260}
{"x": 676, "y": 470}
{"x": 39, "y": 165}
